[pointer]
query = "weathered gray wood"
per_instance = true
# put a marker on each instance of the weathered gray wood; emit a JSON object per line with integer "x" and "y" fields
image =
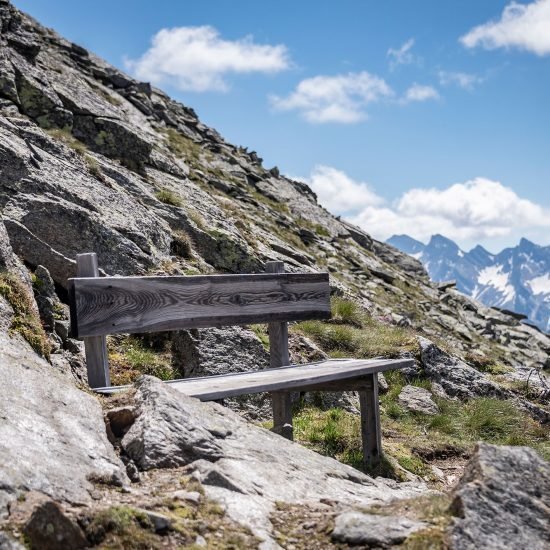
{"x": 95, "y": 347}
{"x": 370, "y": 423}
{"x": 292, "y": 378}
{"x": 110, "y": 305}
{"x": 278, "y": 357}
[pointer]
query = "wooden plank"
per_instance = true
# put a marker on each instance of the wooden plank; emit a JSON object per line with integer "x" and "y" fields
{"x": 292, "y": 378}
{"x": 278, "y": 357}
{"x": 370, "y": 424}
{"x": 95, "y": 347}
{"x": 110, "y": 305}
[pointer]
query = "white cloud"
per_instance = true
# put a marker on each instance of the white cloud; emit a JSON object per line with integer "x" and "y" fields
{"x": 340, "y": 98}
{"x": 466, "y": 81}
{"x": 401, "y": 55}
{"x": 475, "y": 210}
{"x": 523, "y": 26}
{"x": 419, "y": 92}
{"x": 340, "y": 193}
{"x": 198, "y": 59}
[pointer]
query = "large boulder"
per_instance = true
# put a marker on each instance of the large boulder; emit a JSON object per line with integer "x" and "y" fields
{"x": 246, "y": 468}
{"x": 52, "y": 435}
{"x": 503, "y": 501}
{"x": 417, "y": 400}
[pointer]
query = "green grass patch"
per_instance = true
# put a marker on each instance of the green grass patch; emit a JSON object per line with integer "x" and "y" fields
{"x": 65, "y": 135}
{"x": 25, "y": 321}
{"x": 130, "y": 357}
{"x": 167, "y": 196}
{"x": 261, "y": 332}
{"x": 183, "y": 147}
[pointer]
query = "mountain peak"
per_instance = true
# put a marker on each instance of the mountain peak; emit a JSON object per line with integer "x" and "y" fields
{"x": 439, "y": 241}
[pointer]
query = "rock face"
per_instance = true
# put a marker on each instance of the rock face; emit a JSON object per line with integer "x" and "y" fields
{"x": 503, "y": 500}
{"x": 52, "y": 435}
{"x": 237, "y": 462}
{"x": 417, "y": 400}
{"x": 374, "y": 530}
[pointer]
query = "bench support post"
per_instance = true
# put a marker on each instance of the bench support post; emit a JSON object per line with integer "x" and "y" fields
{"x": 97, "y": 361}
{"x": 278, "y": 353}
{"x": 370, "y": 423}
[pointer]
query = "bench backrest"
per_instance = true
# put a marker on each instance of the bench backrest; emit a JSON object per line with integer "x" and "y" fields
{"x": 110, "y": 305}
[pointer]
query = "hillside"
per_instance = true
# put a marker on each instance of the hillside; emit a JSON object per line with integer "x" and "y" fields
{"x": 93, "y": 160}
{"x": 515, "y": 279}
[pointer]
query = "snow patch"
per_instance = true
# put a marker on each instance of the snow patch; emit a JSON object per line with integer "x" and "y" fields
{"x": 494, "y": 276}
{"x": 460, "y": 254}
{"x": 540, "y": 285}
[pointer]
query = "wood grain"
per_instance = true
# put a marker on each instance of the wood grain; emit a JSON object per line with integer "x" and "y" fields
{"x": 278, "y": 357}
{"x": 110, "y": 305}
{"x": 295, "y": 377}
{"x": 95, "y": 347}
{"x": 370, "y": 423}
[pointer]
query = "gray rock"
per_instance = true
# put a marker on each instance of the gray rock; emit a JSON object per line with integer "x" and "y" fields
{"x": 417, "y": 399}
{"x": 49, "y": 527}
{"x": 453, "y": 375}
{"x": 52, "y": 435}
{"x": 8, "y": 543}
{"x": 502, "y": 501}
{"x": 372, "y": 530}
{"x": 237, "y": 462}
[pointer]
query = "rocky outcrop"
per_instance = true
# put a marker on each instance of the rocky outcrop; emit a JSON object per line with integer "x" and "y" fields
{"x": 237, "y": 462}
{"x": 502, "y": 501}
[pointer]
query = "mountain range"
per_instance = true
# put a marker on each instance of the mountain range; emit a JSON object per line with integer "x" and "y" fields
{"x": 516, "y": 279}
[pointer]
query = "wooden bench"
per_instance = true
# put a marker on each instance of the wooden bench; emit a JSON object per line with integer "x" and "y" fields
{"x": 110, "y": 305}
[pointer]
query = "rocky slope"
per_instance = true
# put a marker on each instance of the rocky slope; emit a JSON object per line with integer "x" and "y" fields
{"x": 516, "y": 279}
{"x": 92, "y": 160}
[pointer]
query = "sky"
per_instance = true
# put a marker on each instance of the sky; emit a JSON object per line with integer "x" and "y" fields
{"x": 405, "y": 117}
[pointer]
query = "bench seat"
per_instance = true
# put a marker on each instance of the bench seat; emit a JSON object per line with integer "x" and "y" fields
{"x": 332, "y": 375}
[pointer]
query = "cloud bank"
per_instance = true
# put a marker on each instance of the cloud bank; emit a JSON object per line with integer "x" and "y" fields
{"x": 473, "y": 210}
{"x": 197, "y": 59}
{"x": 522, "y": 26}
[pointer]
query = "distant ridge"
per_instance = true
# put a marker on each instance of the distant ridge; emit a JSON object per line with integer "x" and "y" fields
{"x": 515, "y": 279}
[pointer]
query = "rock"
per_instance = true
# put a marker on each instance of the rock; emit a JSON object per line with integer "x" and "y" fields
{"x": 190, "y": 496}
{"x": 502, "y": 500}
{"x": 160, "y": 523}
{"x": 374, "y": 530}
{"x": 44, "y": 421}
{"x": 453, "y": 375}
{"x": 417, "y": 399}
{"x": 50, "y": 528}
{"x": 237, "y": 462}
{"x": 46, "y": 298}
{"x": 382, "y": 383}
{"x": 8, "y": 543}
{"x": 120, "y": 419}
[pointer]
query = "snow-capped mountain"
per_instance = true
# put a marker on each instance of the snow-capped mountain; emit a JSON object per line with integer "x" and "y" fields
{"x": 517, "y": 279}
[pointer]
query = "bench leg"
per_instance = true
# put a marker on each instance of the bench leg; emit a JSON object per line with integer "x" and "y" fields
{"x": 370, "y": 423}
{"x": 282, "y": 414}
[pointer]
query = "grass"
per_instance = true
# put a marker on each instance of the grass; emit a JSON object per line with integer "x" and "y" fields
{"x": 183, "y": 147}
{"x": 261, "y": 332}
{"x": 130, "y": 357}
{"x": 181, "y": 244}
{"x": 65, "y": 135}
{"x": 167, "y": 196}
{"x": 25, "y": 321}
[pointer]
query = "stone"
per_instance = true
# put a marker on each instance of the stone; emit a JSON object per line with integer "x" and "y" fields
{"x": 190, "y": 496}
{"x": 44, "y": 420}
{"x": 374, "y": 530}
{"x": 8, "y": 543}
{"x": 160, "y": 523}
{"x": 237, "y": 462}
{"x": 120, "y": 419}
{"x": 50, "y": 528}
{"x": 417, "y": 399}
{"x": 455, "y": 377}
{"x": 502, "y": 500}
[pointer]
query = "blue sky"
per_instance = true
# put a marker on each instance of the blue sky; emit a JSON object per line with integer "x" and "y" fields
{"x": 380, "y": 106}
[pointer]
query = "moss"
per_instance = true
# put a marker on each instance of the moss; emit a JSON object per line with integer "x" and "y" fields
{"x": 25, "y": 320}
{"x": 181, "y": 244}
{"x": 167, "y": 196}
{"x": 261, "y": 332}
{"x": 120, "y": 527}
{"x": 130, "y": 357}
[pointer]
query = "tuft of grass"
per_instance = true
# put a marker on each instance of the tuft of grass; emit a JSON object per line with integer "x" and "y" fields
{"x": 346, "y": 311}
{"x": 197, "y": 219}
{"x": 167, "y": 196}
{"x": 129, "y": 358}
{"x": 25, "y": 321}
{"x": 93, "y": 167}
{"x": 261, "y": 332}
{"x": 65, "y": 135}
{"x": 181, "y": 244}
{"x": 183, "y": 147}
